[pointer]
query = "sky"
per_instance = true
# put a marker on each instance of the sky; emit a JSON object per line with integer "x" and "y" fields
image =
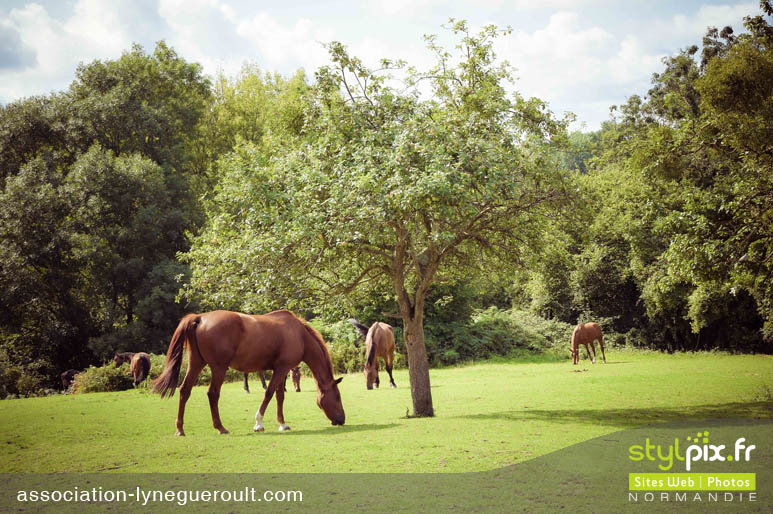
{"x": 581, "y": 56}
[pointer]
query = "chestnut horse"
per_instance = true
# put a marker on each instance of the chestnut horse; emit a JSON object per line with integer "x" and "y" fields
{"x": 295, "y": 372}
{"x": 278, "y": 341}
{"x": 379, "y": 342}
{"x": 139, "y": 364}
{"x": 586, "y": 334}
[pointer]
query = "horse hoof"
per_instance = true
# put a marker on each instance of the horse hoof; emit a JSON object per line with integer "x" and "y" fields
{"x": 284, "y": 428}
{"x": 223, "y": 431}
{"x": 258, "y": 429}
{"x": 394, "y": 386}
{"x": 179, "y": 433}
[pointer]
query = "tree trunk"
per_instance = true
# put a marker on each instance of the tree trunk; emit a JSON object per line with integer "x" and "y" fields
{"x": 418, "y": 366}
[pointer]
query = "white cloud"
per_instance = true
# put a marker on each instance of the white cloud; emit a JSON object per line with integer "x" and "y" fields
{"x": 94, "y": 31}
{"x": 278, "y": 44}
{"x": 710, "y": 16}
{"x": 556, "y": 60}
{"x": 404, "y": 8}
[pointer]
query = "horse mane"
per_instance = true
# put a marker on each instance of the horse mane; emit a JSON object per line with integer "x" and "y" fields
{"x": 320, "y": 341}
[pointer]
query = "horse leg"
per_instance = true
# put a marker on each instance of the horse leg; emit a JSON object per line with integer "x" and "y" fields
{"x": 375, "y": 366}
{"x": 195, "y": 365}
{"x": 218, "y": 375}
{"x": 246, "y": 385}
{"x": 388, "y": 365}
{"x": 262, "y": 379}
{"x": 593, "y": 347}
{"x": 280, "y": 400}
{"x": 587, "y": 350}
{"x": 272, "y": 386}
{"x": 601, "y": 345}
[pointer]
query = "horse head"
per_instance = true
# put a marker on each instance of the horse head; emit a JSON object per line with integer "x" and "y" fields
{"x": 329, "y": 400}
{"x": 371, "y": 374}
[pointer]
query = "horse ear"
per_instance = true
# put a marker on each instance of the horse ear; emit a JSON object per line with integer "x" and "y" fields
{"x": 339, "y": 380}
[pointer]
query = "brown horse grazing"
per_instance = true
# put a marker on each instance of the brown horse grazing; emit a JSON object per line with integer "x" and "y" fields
{"x": 140, "y": 367}
{"x": 139, "y": 364}
{"x": 120, "y": 358}
{"x": 586, "y": 334}
{"x": 296, "y": 373}
{"x": 278, "y": 341}
{"x": 380, "y": 342}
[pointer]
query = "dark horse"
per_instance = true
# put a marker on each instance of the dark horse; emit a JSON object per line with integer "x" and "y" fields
{"x": 67, "y": 378}
{"x": 295, "y": 372}
{"x": 139, "y": 364}
{"x": 379, "y": 342}
{"x": 262, "y": 377}
{"x": 586, "y": 334}
{"x": 278, "y": 341}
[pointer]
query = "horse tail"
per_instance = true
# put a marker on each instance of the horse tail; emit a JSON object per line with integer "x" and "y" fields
{"x": 145, "y": 369}
{"x": 359, "y": 326}
{"x": 166, "y": 383}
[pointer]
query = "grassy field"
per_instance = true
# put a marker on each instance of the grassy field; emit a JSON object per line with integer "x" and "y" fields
{"x": 488, "y": 415}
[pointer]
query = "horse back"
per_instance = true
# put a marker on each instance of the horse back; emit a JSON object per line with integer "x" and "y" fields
{"x": 251, "y": 343}
{"x": 586, "y": 333}
{"x": 383, "y": 337}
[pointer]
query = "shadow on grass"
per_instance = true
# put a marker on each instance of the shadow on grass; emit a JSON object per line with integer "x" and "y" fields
{"x": 629, "y": 418}
{"x": 331, "y": 430}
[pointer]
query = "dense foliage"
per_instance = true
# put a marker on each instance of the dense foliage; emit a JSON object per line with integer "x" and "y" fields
{"x": 94, "y": 206}
{"x": 673, "y": 245}
{"x": 438, "y": 200}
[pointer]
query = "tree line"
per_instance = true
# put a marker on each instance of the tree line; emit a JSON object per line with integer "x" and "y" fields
{"x": 147, "y": 189}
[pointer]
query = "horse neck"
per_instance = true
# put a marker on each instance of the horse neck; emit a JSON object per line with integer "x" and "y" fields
{"x": 316, "y": 359}
{"x": 370, "y": 359}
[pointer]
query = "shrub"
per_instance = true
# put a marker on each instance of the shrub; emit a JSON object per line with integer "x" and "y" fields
{"x": 9, "y": 378}
{"x": 495, "y": 332}
{"x": 108, "y": 377}
{"x": 347, "y": 348}
{"x": 102, "y": 379}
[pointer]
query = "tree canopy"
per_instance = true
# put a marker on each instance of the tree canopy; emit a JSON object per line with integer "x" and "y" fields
{"x": 390, "y": 186}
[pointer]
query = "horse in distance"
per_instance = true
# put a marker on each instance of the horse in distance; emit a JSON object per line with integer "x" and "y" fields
{"x": 67, "y": 378}
{"x": 379, "y": 342}
{"x": 139, "y": 364}
{"x": 585, "y": 334}
{"x": 140, "y": 367}
{"x": 295, "y": 372}
{"x": 262, "y": 377}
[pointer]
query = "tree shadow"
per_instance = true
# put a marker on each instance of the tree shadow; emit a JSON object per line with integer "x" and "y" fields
{"x": 629, "y": 418}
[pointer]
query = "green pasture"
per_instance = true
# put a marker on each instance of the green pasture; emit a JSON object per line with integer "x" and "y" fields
{"x": 488, "y": 415}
